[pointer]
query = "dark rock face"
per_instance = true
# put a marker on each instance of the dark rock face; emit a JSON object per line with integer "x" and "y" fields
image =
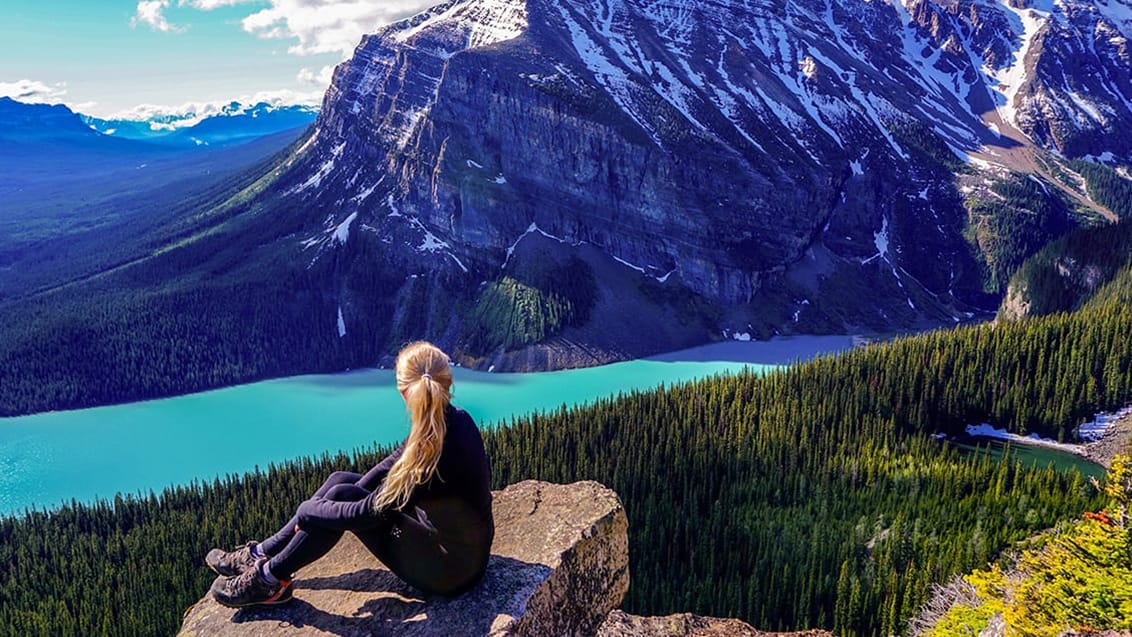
{"x": 720, "y": 148}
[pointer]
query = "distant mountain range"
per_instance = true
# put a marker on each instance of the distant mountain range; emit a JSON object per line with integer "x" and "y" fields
{"x": 64, "y": 180}
{"x": 233, "y": 122}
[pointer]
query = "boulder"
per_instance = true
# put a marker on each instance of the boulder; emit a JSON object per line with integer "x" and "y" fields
{"x": 559, "y": 565}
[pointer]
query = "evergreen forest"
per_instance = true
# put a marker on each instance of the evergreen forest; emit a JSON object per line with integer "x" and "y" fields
{"x": 817, "y": 496}
{"x": 1068, "y": 272}
{"x": 1076, "y": 577}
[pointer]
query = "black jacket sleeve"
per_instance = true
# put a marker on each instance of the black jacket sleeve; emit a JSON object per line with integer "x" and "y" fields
{"x": 375, "y": 476}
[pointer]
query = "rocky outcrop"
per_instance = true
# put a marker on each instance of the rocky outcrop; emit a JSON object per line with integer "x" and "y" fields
{"x": 559, "y": 565}
{"x": 620, "y": 624}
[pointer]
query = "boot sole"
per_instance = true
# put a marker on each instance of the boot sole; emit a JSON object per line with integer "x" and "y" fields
{"x": 284, "y": 598}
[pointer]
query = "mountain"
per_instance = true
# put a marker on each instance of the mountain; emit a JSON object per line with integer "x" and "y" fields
{"x": 25, "y": 125}
{"x": 232, "y": 122}
{"x": 19, "y": 121}
{"x": 795, "y": 166}
{"x": 536, "y": 184}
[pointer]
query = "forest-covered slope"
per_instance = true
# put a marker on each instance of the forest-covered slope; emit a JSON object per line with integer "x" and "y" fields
{"x": 811, "y": 497}
{"x": 1075, "y": 578}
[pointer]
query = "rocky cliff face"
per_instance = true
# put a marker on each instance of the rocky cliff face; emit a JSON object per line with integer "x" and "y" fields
{"x": 776, "y": 160}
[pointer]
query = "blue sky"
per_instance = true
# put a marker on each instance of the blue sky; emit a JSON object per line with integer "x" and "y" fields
{"x": 123, "y": 57}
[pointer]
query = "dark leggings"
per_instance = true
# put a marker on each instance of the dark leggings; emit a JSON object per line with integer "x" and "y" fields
{"x": 291, "y": 550}
{"x": 431, "y": 560}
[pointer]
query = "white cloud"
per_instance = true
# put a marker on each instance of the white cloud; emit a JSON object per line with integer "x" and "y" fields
{"x": 319, "y": 26}
{"x": 152, "y": 13}
{"x": 209, "y": 5}
{"x": 326, "y": 26}
{"x": 33, "y": 91}
{"x": 287, "y": 97}
{"x": 321, "y": 78}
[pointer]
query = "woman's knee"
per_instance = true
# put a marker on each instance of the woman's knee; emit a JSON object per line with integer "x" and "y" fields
{"x": 343, "y": 477}
{"x": 337, "y": 478}
{"x": 346, "y": 493}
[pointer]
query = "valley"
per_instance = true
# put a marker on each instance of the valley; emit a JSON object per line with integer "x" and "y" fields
{"x": 644, "y": 231}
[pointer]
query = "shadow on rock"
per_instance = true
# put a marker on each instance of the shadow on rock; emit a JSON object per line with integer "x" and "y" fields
{"x": 392, "y": 607}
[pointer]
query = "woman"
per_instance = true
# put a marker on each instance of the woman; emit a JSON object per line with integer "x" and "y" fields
{"x": 424, "y": 511}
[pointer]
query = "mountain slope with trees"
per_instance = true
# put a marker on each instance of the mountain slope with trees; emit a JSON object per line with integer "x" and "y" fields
{"x": 1077, "y": 577}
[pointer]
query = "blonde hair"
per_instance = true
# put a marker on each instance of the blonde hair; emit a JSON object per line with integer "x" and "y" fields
{"x": 425, "y": 379}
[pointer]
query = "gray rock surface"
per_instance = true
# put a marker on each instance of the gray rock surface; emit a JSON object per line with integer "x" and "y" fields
{"x": 559, "y": 565}
{"x": 620, "y": 624}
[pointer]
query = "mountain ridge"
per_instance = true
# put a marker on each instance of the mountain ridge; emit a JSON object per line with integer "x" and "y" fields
{"x": 598, "y": 70}
{"x": 231, "y": 123}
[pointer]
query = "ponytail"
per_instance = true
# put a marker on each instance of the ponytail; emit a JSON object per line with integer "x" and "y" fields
{"x": 425, "y": 379}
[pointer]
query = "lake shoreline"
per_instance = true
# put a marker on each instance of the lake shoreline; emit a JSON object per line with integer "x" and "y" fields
{"x": 777, "y": 350}
{"x": 1110, "y": 435}
{"x": 151, "y": 444}
{"x": 1114, "y": 441}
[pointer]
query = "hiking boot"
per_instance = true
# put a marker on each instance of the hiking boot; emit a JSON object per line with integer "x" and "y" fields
{"x": 250, "y": 589}
{"x": 231, "y": 562}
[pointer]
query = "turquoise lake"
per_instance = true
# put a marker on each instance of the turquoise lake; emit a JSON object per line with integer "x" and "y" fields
{"x": 52, "y": 458}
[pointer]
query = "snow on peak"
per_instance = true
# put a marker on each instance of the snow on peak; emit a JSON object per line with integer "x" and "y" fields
{"x": 478, "y": 23}
{"x": 1010, "y": 79}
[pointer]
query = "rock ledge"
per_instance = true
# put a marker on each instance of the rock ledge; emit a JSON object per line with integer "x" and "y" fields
{"x": 559, "y": 565}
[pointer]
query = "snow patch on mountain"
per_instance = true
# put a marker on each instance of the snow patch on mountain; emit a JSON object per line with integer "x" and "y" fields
{"x": 1119, "y": 13}
{"x": 614, "y": 79}
{"x": 1010, "y": 79}
{"x": 342, "y": 230}
{"x": 365, "y": 194}
{"x": 316, "y": 179}
{"x": 482, "y": 22}
{"x": 429, "y": 243}
{"x": 531, "y": 229}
